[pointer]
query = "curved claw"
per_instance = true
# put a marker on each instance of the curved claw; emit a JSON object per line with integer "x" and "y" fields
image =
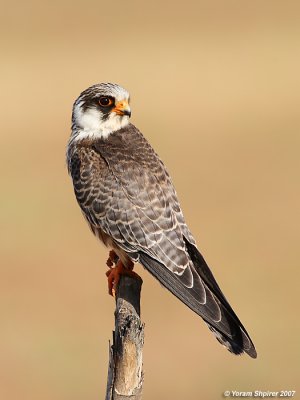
{"x": 112, "y": 259}
{"x": 113, "y": 275}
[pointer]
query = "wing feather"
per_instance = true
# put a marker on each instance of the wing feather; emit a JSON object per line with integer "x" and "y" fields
{"x": 124, "y": 189}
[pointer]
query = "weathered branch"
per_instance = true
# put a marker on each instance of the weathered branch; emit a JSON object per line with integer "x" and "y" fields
{"x": 125, "y": 370}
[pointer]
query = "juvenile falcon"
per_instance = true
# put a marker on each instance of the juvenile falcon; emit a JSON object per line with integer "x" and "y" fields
{"x": 130, "y": 203}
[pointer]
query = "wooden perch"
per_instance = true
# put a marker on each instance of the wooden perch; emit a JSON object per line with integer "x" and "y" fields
{"x": 125, "y": 370}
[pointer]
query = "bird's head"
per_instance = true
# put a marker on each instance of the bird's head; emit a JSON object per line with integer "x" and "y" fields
{"x": 100, "y": 110}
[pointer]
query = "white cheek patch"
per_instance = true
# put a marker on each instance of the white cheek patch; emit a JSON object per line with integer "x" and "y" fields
{"x": 90, "y": 124}
{"x": 89, "y": 120}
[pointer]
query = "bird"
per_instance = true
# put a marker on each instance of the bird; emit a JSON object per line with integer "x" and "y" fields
{"x": 129, "y": 201}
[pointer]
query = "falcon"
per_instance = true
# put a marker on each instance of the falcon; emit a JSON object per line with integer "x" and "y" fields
{"x": 130, "y": 204}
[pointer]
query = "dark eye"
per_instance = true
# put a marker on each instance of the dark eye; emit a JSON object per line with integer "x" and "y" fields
{"x": 105, "y": 101}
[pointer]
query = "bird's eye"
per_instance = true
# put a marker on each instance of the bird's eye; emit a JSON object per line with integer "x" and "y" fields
{"x": 105, "y": 101}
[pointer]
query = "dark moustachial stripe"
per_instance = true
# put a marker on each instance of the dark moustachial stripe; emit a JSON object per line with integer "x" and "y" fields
{"x": 93, "y": 102}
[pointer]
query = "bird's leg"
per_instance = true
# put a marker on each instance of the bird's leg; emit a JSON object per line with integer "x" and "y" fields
{"x": 112, "y": 259}
{"x": 113, "y": 275}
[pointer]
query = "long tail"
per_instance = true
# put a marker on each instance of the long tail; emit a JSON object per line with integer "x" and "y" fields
{"x": 212, "y": 306}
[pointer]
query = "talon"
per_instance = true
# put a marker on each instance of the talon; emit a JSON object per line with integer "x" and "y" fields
{"x": 109, "y": 263}
{"x": 112, "y": 258}
{"x": 114, "y": 274}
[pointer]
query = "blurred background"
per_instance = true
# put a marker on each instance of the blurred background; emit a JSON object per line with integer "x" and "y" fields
{"x": 215, "y": 88}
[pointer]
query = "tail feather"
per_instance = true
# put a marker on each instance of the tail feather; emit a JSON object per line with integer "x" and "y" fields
{"x": 224, "y": 323}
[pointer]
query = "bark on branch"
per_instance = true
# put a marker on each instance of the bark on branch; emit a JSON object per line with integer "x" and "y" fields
{"x": 125, "y": 370}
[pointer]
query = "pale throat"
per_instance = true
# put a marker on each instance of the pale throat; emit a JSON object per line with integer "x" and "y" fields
{"x": 90, "y": 125}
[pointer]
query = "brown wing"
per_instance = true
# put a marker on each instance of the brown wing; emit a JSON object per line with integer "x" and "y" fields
{"x": 124, "y": 189}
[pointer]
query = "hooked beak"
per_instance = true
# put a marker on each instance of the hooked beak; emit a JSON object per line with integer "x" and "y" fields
{"x": 122, "y": 108}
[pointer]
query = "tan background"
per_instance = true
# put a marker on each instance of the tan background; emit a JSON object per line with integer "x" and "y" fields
{"x": 215, "y": 88}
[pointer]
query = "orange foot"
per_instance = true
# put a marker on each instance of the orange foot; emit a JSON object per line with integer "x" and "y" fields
{"x": 114, "y": 274}
{"x": 112, "y": 259}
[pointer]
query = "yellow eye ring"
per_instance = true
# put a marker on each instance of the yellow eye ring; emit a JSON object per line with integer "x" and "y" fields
{"x": 105, "y": 101}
